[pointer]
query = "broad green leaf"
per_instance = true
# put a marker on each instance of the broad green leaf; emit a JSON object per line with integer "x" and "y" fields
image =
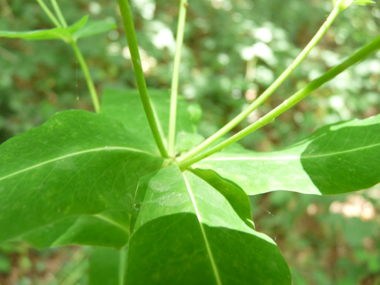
{"x": 91, "y": 28}
{"x": 109, "y": 228}
{"x": 64, "y": 34}
{"x": 107, "y": 266}
{"x": 336, "y": 159}
{"x": 72, "y": 179}
{"x": 126, "y": 106}
{"x": 187, "y": 232}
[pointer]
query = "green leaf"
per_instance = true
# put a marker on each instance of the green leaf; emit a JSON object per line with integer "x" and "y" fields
{"x": 91, "y": 28}
{"x": 71, "y": 180}
{"x": 234, "y": 194}
{"x": 364, "y": 2}
{"x": 187, "y": 232}
{"x": 126, "y": 106}
{"x": 64, "y": 34}
{"x": 336, "y": 159}
{"x": 108, "y": 228}
{"x": 106, "y": 266}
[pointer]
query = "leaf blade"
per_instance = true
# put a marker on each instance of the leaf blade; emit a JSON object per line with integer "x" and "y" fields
{"x": 171, "y": 209}
{"x": 125, "y": 106}
{"x": 50, "y": 34}
{"x": 106, "y": 266}
{"x": 92, "y": 28}
{"x": 336, "y": 159}
{"x": 75, "y": 166}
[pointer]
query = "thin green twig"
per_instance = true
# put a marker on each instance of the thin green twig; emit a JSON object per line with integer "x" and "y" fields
{"x": 49, "y": 13}
{"x": 174, "y": 87}
{"x": 59, "y": 13}
{"x": 287, "y": 104}
{"x": 335, "y": 12}
{"x": 82, "y": 62}
{"x": 90, "y": 83}
{"x": 139, "y": 74}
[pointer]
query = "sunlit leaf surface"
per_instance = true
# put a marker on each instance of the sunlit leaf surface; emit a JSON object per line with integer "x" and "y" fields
{"x": 72, "y": 181}
{"x": 187, "y": 232}
{"x": 338, "y": 158}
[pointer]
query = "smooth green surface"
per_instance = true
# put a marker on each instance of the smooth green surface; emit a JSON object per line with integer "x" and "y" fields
{"x": 92, "y": 28}
{"x": 338, "y": 158}
{"x": 109, "y": 228}
{"x": 105, "y": 266}
{"x": 64, "y": 34}
{"x": 186, "y": 232}
{"x": 78, "y": 168}
{"x": 126, "y": 106}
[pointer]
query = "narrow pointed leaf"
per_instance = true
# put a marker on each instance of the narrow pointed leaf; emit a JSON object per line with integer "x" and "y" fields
{"x": 126, "y": 106}
{"x": 364, "y": 2}
{"x": 70, "y": 179}
{"x": 64, "y": 34}
{"x": 91, "y": 28}
{"x": 187, "y": 232}
{"x": 336, "y": 159}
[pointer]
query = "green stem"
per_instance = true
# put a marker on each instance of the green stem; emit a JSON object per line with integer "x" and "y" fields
{"x": 294, "y": 99}
{"x": 49, "y": 13}
{"x": 87, "y": 76}
{"x": 335, "y": 12}
{"x": 59, "y": 13}
{"x": 174, "y": 87}
{"x": 139, "y": 74}
{"x": 78, "y": 54}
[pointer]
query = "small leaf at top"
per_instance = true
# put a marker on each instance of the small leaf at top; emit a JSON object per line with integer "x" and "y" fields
{"x": 64, "y": 34}
{"x": 91, "y": 28}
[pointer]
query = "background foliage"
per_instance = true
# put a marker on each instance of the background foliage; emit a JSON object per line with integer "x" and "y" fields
{"x": 233, "y": 50}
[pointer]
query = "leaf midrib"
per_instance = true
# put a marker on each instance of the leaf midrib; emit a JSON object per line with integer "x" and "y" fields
{"x": 108, "y": 148}
{"x": 212, "y": 260}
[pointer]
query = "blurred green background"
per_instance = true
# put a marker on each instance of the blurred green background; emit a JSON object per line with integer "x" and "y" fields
{"x": 233, "y": 50}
